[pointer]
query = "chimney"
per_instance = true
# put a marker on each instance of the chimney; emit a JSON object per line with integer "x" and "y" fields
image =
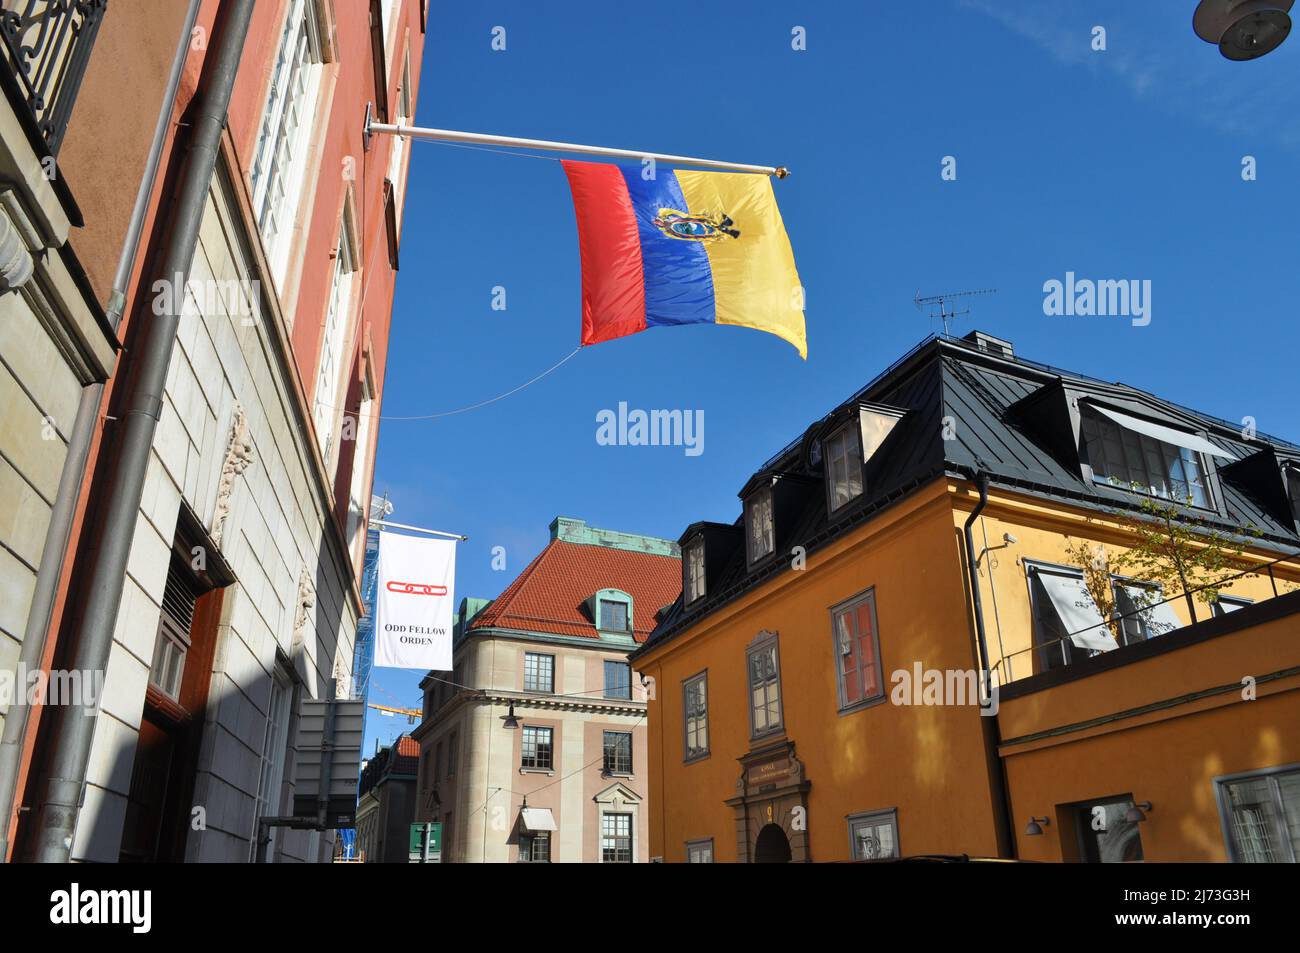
{"x": 990, "y": 344}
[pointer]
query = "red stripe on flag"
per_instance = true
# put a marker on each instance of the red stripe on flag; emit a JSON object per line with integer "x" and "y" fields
{"x": 613, "y": 283}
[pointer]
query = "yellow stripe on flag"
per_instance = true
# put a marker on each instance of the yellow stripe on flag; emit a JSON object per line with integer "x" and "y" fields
{"x": 755, "y": 284}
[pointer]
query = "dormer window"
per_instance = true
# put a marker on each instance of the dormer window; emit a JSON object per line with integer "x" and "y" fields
{"x": 758, "y": 524}
{"x": 1133, "y": 453}
{"x": 612, "y": 611}
{"x": 613, "y": 616}
{"x": 693, "y": 568}
{"x": 1291, "y": 473}
{"x": 843, "y": 456}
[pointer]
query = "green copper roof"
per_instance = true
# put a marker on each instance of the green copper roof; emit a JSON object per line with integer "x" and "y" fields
{"x": 570, "y": 530}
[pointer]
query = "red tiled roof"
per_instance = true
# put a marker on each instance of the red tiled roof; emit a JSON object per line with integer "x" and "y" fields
{"x": 407, "y": 760}
{"x": 549, "y": 595}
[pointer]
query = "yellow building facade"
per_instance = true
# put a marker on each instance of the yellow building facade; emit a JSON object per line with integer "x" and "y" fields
{"x": 816, "y": 688}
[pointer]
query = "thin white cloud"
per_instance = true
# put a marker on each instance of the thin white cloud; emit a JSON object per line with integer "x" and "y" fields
{"x": 1152, "y": 49}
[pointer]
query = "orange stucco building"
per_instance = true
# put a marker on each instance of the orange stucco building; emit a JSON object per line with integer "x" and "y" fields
{"x": 818, "y": 686}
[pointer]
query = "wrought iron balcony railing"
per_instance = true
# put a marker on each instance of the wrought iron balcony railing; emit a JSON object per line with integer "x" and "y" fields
{"x": 46, "y": 45}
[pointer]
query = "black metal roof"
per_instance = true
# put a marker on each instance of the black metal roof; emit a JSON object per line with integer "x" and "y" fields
{"x": 968, "y": 411}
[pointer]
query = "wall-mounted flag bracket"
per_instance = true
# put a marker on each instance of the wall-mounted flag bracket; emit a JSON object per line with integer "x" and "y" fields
{"x": 546, "y": 145}
{"x": 417, "y": 529}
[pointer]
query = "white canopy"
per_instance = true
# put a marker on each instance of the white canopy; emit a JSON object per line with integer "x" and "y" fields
{"x": 1179, "y": 438}
{"x": 1077, "y": 611}
{"x": 537, "y": 819}
{"x": 1160, "y": 618}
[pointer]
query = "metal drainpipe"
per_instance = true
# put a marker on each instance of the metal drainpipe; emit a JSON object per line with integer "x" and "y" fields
{"x": 59, "y": 530}
{"x": 145, "y": 380}
{"x": 977, "y": 601}
{"x": 1004, "y": 829}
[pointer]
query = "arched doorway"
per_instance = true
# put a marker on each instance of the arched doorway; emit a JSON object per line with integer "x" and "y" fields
{"x": 772, "y": 846}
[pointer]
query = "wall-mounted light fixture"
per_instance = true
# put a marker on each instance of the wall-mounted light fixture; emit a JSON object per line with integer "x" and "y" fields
{"x": 1243, "y": 29}
{"x": 511, "y": 721}
{"x": 1036, "y": 824}
{"x": 1137, "y": 813}
{"x": 1007, "y": 540}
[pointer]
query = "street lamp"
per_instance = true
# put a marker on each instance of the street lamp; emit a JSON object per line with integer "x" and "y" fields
{"x": 1243, "y": 29}
{"x": 511, "y": 721}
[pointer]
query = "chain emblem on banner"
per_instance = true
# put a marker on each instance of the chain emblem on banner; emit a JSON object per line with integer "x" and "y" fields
{"x": 416, "y": 589}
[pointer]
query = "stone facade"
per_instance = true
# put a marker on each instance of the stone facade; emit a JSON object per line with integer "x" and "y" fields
{"x": 227, "y": 390}
{"x": 254, "y": 501}
{"x": 488, "y": 786}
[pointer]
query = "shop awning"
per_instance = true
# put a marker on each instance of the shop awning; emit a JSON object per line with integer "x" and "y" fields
{"x": 1160, "y": 618}
{"x": 1077, "y": 611}
{"x": 537, "y": 819}
{"x": 1179, "y": 438}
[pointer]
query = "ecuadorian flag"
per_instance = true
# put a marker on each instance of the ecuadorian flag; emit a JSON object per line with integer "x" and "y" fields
{"x": 682, "y": 248}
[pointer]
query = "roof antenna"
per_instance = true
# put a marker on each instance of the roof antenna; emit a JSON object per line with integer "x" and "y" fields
{"x": 941, "y": 300}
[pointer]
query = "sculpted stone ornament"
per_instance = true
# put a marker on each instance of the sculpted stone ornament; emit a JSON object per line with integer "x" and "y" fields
{"x": 16, "y": 264}
{"x": 239, "y": 454}
{"x": 304, "y": 607}
{"x": 302, "y": 647}
{"x": 342, "y": 679}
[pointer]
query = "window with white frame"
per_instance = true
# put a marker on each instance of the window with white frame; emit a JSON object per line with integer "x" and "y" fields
{"x": 616, "y": 838}
{"x": 397, "y": 158}
{"x": 538, "y": 754}
{"x": 330, "y": 380}
{"x": 873, "y": 835}
{"x": 535, "y": 847}
{"x": 694, "y": 569}
{"x": 1126, "y": 458}
{"x": 699, "y": 851}
{"x": 1261, "y": 815}
{"x": 695, "y": 716}
{"x": 539, "y": 672}
{"x": 843, "y": 457}
{"x": 387, "y": 13}
{"x": 857, "y": 651}
{"x": 758, "y": 523}
{"x": 280, "y": 158}
{"x": 764, "y": 667}
{"x": 275, "y": 749}
{"x": 618, "y": 752}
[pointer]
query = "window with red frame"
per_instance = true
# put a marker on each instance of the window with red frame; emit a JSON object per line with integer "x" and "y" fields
{"x": 857, "y": 651}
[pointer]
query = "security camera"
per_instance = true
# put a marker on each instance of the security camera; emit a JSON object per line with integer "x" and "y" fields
{"x": 1009, "y": 539}
{"x": 1243, "y": 29}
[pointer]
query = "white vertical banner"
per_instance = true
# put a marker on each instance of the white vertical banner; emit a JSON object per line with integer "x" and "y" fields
{"x": 413, "y": 608}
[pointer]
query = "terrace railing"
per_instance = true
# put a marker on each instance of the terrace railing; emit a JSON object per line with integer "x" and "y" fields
{"x": 46, "y": 45}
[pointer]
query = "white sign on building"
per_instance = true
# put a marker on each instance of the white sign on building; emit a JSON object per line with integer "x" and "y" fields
{"x": 413, "y": 605}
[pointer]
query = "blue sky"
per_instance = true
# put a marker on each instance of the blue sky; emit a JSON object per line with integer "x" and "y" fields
{"x": 1117, "y": 164}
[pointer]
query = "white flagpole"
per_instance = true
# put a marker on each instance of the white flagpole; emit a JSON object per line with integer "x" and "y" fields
{"x": 477, "y": 138}
{"x": 418, "y": 529}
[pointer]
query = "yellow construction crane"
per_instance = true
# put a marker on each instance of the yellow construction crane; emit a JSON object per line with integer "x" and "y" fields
{"x": 414, "y": 714}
